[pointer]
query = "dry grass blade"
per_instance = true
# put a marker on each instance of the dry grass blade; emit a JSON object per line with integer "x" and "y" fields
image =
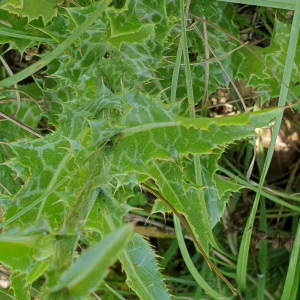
{"x": 205, "y": 102}
{"x": 207, "y": 60}
{"x": 223, "y": 68}
{"x": 75, "y": 3}
{"x": 20, "y": 124}
{"x": 6, "y": 24}
{"x": 30, "y": 98}
{"x": 15, "y": 85}
{"x": 9, "y": 100}
{"x": 6, "y": 152}
{"x": 229, "y": 102}
{"x": 5, "y": 189}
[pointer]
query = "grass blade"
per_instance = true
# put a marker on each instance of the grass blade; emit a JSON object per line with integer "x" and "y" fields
{"x": 255, "y": 189}
{"x": 285, "y": 4}
{"x": 187, "y": 259}
{"x": 176, "y": 73}
{"x": 188, "y": 74}
{"x": 115, "y": 293}
{"x": 263, "y": 252}
{"x": 291, "y": 274}
{"x": 21, "y": 35}
{"x": 6, "y": 293}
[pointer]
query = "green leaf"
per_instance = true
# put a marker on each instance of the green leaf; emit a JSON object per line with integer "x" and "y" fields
{"x": 215, "y": 206}
{"x": 7, "y": 176}
{"x": 137, "y": 199}
{"x": 18, "y": 282}
{"x": 148, "y": 19}
{"x": 202, "y": 7}
{"x": 6, "y": 295}
{"x": 61, "y": 28}
{"x": 83, "y": 59}
{"x": 108, "y": 134}
{"x": 16, "y": 250}
{"x": 219, "y": 15}
{"x": 163, "y": 136}
{"x": 87, "y": 272}
{"x": 216, "y": 190}
{"x": 126, "y": 27}
{"x": 137, "y": 37}
{"x": 33, "y": 9}
{"x": 183, "y": 196}
{"x": 21, "y": 248}
{"x": 224, "y": 186}
{"x": 47, "y": 172}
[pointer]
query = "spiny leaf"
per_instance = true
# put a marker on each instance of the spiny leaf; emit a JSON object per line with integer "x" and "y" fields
{"x": 166, "y": 136}
{"x": 91, "y": 49}
{"x": 53, "y": 159}
{"x": 20, "y": 35}
{"x": 275, "y": 56}
{"x": 61, "y": 28}
{"x": 137, "y": 37}
{"x": 126, "y": 27}
{"x": 98, "y": 9}
{"x": 183, "y": 196}
{"x": 203, "y": 7}
{"x": 155, "y": 25}
{"x": 216, "y": 190}
{"x": 138, "y": 259}
{"x": 33, "y": 9}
